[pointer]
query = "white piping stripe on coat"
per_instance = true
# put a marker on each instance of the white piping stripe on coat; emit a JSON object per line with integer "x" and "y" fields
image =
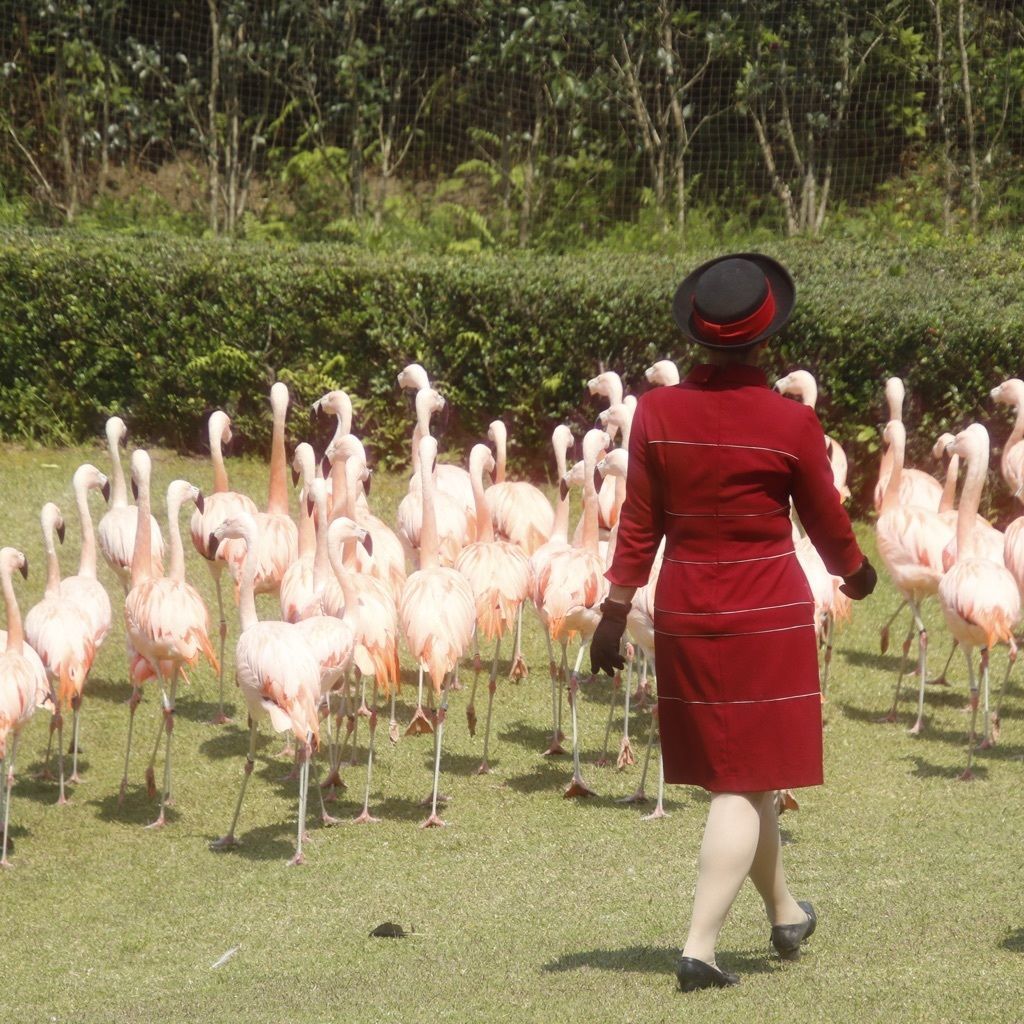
{"x": 727, "y": 515}
{"x": 763, "y": 700}
{"x": 734, "y": 611}
{"x": 715, "y": 444}
{"x": 728, "y": 561}
{"x": 749, "y": 632}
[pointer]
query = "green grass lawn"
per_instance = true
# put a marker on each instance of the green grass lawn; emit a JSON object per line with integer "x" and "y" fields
{"x": 527, "y": 906}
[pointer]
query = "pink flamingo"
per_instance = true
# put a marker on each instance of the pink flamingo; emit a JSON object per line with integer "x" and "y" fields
{"x": 1011, "y": 463}
{"x": 369, "y": 608}
{"x": 297, "y": 593}
{"x": 979, "y": 598}
{"x": 608, "y": 385}
{"x": 919, "y": 489}
{"x": 338, "y": 404}
{"x": 62, "y": 636}
{"x": 498, "y": 572}
{"x": 436, "y": 641}
{"x": 910, "y": 542}
{"x": 663, "y": 373}
{"x": 19, "y": 682}
{"x": 805, "y": 387}
{"x": 217, "y": 507}
{"x": 165, "y": 618}
{"x": 277, "y": 673}
{"x": 116, "y": 530}
{"x": 573, "y": 586}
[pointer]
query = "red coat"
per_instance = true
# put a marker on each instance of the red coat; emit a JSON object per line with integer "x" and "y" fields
{"x": 713, "y": 464}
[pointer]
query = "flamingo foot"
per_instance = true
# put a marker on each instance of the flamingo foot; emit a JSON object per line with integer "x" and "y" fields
{"x": 159, "y": 823}
{"x": 967, "y": 776}
{"x": 5, "y": 863}
{"x": 332, "y": 781}
{"x": 626, "y": 755}
{"x": 987, "y": 744}
{"x": 122, "y": 792}
{"x": 484, "y": 769}
{"x": 577, "y": 788}
{"x": 883, "y": 639}
{"x": 519, "y": 669}
{"x": 658, "y": 812}
{"x": 76, "y": 779}
{"x": 327, "y": 820}
{"x": 297, "y": 861}
{"x": 292, "y": 775}
{"x": 366, "y": 818}
{"x": 420, "y": 724}
{"x": 287, "y": 751}
{"x": 917, "y": 728}
{"x": 637, "y": 797}
{"x": 554, "y": 749}
{"x": 455, "y": 685}
{"x": 150, "y": 782}
{"x": 785, "y": 801}
{"x": 228, "y": 842}
{"x": 393, "y": 732}
{"x": 937, "y": 681}
{"x": 994, "y": 728}
{"x": 62, "y": 800}
{"x": 219, "y": 719}
{"x": 887, "y": 718}
{"x": 471, "y": 718}
{"x": 433, "y": 822}
{"x": 45, "y": 775}
{"x": 601, "y": 762}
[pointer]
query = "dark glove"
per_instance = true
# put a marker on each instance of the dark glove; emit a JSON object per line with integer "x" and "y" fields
{"x": 859, "y": 584}
{"x": 604, "y": 647}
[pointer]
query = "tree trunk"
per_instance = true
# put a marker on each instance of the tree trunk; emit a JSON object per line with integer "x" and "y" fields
{"x": 940, "y": 116}
{"x": 212, "y": 148}
{"x": 972, "y": 149}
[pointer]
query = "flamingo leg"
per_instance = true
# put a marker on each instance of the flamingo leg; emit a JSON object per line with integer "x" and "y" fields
{"x": 830, "y": 622}
{"x": 151, "y": 767}
{"x": 577, "y": 787}
{"x": 325, "y": 819}
{"x": 659, "y": 808}
{"x": 8, "y": 775}
{"x": 217, "y": 571}
{"x": 46, "y": 773}
{"x": 393, "y": 722}
{"x": 306, "y": 755}
{"x": 968, "y": 774}
{"x": 884, "y": 634}
{"x": 492, "y": 685}
{"x": 922, "y": 659}
{"x": 420, "y": 722}
{"x": 366, "y": 818}
{"x": 518, "y": 669}
{"x": 133, "y": 703}
{"x": 555, "y": 747}
{"x": 626, "y": 756}
{"x": 639, "y": 795}
{"x": 433, "y": 821}
{"x": 62, "y": 799}
{"x": 891, "y": 716}
{"x": 361, "y": 712}
{"x": 602, "y": 761}
{"x": 1003, "y": 691}
{"x": 563, "y": 673}
{"x": 76, "y": 705}
{"x": 227, "y": 841}
{"x": 471, "y": 706}
{"x": 941, "y": 680}
{"x": 168, "y": 711}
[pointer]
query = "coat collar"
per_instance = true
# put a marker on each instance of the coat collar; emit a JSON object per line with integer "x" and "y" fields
{"x": 729, "y": 375}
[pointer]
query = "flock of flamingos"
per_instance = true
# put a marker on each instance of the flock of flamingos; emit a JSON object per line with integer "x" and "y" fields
{"x": 479, "y": 555}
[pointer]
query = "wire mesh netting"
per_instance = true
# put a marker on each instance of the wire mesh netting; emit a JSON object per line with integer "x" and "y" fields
{"x": 549, "y": 123}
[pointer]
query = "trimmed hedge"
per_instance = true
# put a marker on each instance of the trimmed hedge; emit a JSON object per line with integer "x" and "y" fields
{"x": 161, "y": 331}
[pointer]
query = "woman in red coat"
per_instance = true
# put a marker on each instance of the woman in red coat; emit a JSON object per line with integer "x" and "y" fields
{"x": 714, "y": 463}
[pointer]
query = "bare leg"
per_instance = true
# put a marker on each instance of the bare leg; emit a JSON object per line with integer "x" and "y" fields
{"x": 420, "y": 723}
{"x": 471, "y": 706}
{"x": 433, "y": 821}
{"x": 767, "y": 873}
{"x": 968, "y": 774}
{"x": 366, "y": 817}
{"x": 555, "y": 747}
{"x": 169, "y": 719}
{"x": 577, "y": 787}
{"x": 659, "y": 808}
{"x": 518, "y": 669}
{"x": 133, "y": 703}
{"x": 306, "y": 754}
{"x": 922, "y": 659}
{"x": 217, "y": 571}
{"x": 229, "y": 840}
{"x": 602, "y": 761}
{"x": 76, "y": 706}
{"x": 492, "y": 685}
{"x": 626, "y": 756}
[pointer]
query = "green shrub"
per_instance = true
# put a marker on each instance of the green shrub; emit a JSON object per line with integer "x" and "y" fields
{"x": 161, "y": 331}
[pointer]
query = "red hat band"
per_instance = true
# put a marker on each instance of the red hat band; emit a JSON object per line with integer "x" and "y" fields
{"x": 738, "y": 331}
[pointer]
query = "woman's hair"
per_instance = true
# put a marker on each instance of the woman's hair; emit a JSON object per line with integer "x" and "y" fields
{"x": 730, "y": 356}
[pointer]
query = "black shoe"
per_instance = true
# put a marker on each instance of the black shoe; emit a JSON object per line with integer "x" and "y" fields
{"x": 694, "y": 974}
{"x": 786, "y": 938}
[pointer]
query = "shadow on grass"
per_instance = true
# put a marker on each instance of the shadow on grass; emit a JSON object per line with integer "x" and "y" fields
{"x": 887, "y": 662}
{"x": 111, "y": 690}
{"x": 652, "y": 960}
{"x": 525, "y": 735}
{"x": 265, "y": 842}
{"x": 926, "y": 770}
{"x": 1013, "y": 941}
{"x": 138, "y": 808}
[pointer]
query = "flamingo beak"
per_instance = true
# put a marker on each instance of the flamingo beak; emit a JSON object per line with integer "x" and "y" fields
{"x": 135, "y": 490}
{"x": 24, "y": 569}
{"x": 60, "y": 532}
{"x": 367, "y": 482}
{"x": 563, "y": 489}
{"x": 367, "y": 542}
{"x": 310, "y": 506}
{"x": 211, "y": 546}
{"x": 105, "y": 491}
{"x": 295, "y": 477}
{"x": 325, "y": 466}
{"x": 598, "y": 479}
{"x": 200, "y": 502}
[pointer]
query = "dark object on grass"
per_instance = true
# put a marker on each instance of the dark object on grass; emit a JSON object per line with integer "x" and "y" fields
{"x": 786, "y": 938}
{"x": 694, "y": 975}
{"x": 388, "y": 930}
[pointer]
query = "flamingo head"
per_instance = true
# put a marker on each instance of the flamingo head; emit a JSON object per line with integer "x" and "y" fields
{"x": 942, "y": 445}
{"x": 179, "y": 492}
{"x": 303, "y": 463}
{"x": 279, "y": 399}
{"x": 344, "y": 529}
{"x": 663, "y": 373}
{"x": 895, "y": 393}
{"x": 1010, "y": 393}
{"x": 88, "y": 477}
{"x": 497, "y": 433}
{"x": 142, "y": 467}
{"x": 237, "y": 527}
{"x": 607, "y": 384}
{"x": 573, "y": 478}
{"x": 53, "y": 522}
{"x": 481, "y": 460}
{"x": 316, "y": 495}
{"x": 219, "y": 428}
{"x": 11, "y": 559}
{"x": 116, "y": 431}
{"x": 413, "y": 378}
{"x": 614, "y": 464}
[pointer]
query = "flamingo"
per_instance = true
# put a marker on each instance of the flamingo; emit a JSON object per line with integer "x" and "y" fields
{"x": 116, "y": 530}
{"x": 917, "y": 488}
{"x": 1011, "y": 462}
{"x": 980, "y": 600}
{"x": 338, "y": 404}
{"x": 369, "y": 608}
{"x": 62, "y": 636}
{"x": 166, "y": 620}
{"x": 19, "y": 682}
{"x": 498, "y": 572}
{"x": 277, "y": 673}
{"x": 910, "y": 542}
{"x": 573, "y": 586}
{"x": 805, "y": 387}
{"x": 608, "y": 385}
{"x": 436, "y": 641}
{"x": 297, "y": 594}
{"x": 663, "y": 373}
{"x": 217, "y": 507}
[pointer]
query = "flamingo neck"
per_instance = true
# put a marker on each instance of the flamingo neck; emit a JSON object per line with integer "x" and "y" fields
{"x": 320, "y": 560}
{"x": 428, "y": 528}
{"x": 590, "y": 505}
{"x": 500, "y": 459}
{"x": 52, "y": 562}
{"x": 561, "y": 527}
{"x": 87, "y": 557}
{"x": 277, "y": 495}
{"x": 220, "y": 474}
{"x": 948, "y": 500}
{"x": 307, "y": 528}
{"x": 350, "y": 491}
{"x": 484, "y": 526}
{"x": 970, "y": 500}
{"x": 118, "y": 487}
{"x": 15, "y": 632}
{"x": 1018, "y": 430}
{"x": 342, "y": 574}
{"x": 897, "y": 445}
{"x": 339, "y": 487}
{"x": 176, "y": 565}
{"x": 142, "y": 554}
{"x": 247, "y": 588}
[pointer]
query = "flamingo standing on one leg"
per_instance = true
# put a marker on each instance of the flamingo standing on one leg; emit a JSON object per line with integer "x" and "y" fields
{"x": 498, "y": 572}
{"x": 62, "y": 636}
{"x": 573, "y": 586}
{"x": 218, "y": 507}
{"x": 116, "y": 530}
{"x": 165, "y": 618}
{"x": 276, "y": 672}
{"x": 437, "y": 611}
{"x": 19, "y": 682}
{"x": 980, "y": 599}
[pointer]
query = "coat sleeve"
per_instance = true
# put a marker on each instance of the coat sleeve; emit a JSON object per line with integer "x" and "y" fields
{"x": 641, "y": 521}
{"x": 817, "y": 504}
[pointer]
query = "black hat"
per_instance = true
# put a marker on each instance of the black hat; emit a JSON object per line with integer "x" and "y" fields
{"x": 734, "y": 301}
